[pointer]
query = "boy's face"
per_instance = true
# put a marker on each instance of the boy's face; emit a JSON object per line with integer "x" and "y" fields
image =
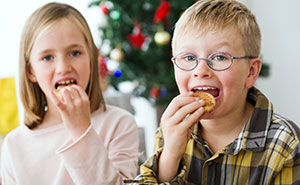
{"x": 60, "y": 55}
{"x": 229, "y": 87}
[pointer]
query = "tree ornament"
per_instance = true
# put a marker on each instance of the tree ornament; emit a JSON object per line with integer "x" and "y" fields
{"x": 103, "y": 8}
{"x": 163, "y": 91}
{"x": 116, "y": 54}
{"x": 154, "y": 92}
{"x": 102, "y": 66}
{"x": 112, "y": 65}
{"x": 137, "y": 39}
{"x": 162, "y": 12}
{"x": 115, "y": 14}
{"x": 118, "y": 73}
{"x": 162, "y": 38}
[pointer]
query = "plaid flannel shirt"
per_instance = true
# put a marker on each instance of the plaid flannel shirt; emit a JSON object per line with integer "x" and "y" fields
{"x": 267, "y": 151}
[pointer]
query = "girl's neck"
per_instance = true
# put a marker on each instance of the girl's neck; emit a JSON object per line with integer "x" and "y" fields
{"x": 52, "y": 117}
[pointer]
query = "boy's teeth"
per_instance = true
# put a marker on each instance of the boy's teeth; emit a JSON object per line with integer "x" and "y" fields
{"x": 204, "y": 88}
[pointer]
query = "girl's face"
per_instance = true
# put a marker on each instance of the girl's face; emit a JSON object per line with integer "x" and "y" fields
{"x": 59, "y": 55}
{"x": 230, "y": 86}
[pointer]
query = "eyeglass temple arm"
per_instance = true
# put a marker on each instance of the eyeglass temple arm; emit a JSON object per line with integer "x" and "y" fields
{"x": 250, "y": 57}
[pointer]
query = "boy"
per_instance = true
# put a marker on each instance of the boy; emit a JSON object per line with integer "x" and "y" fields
{"x": 216, "y": 47}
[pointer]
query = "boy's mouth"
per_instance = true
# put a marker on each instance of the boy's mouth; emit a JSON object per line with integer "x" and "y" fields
{"x": 64, "y": 83}
{"x": 211, "y": 90}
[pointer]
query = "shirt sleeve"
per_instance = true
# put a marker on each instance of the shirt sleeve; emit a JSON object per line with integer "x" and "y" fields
{"x": 148, "y": 170}
{"x": 290, "y": 173}
{"x": 6, "y": 170}
{"x": 88, "y": 161}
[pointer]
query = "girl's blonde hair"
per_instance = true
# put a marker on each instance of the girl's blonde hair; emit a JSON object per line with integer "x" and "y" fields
{"x": 33, "y": 98}
{"x": 215, "y": 15}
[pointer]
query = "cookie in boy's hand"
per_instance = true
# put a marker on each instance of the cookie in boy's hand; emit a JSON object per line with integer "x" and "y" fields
{"x": 210, "y": 101}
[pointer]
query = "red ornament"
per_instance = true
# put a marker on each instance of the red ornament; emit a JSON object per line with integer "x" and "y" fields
{"x": 102, "y": 66}
{"x": 162, "y": 12}
{"x": 137, "y": 39}
{"x": 154, "y": 92}
{"x": 104, "y": 9}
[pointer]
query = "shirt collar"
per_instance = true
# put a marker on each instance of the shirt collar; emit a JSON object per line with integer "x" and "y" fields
{"x": 254, "y": 134}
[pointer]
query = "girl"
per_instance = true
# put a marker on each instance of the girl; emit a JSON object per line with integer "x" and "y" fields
{"x": 70, "y": 138}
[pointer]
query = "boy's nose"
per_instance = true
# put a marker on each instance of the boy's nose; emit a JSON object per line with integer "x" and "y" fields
{"x": 63, "y": 65}
{"x": 202, "y": 70}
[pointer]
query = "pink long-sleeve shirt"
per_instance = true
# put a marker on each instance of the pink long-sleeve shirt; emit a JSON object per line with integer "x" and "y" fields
{"x": 103, "y": 155}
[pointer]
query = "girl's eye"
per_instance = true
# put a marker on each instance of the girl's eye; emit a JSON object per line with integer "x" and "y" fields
{"x": 75, "y": 53}
{"x": 47, "y": 58}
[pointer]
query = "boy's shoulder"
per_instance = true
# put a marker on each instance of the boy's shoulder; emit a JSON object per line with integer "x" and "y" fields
{"x": 283, "y": 134}
{"x": 284, "y": 125}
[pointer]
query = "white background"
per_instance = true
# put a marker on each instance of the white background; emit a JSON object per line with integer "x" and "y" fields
{"x": 279, "y": 22}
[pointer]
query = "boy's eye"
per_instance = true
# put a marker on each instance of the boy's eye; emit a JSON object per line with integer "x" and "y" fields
{"x": 47, "y": 58}
{"x": 189, "y": 58}
{"x": 75, "y": 53}
{"x": 219, "y": 58}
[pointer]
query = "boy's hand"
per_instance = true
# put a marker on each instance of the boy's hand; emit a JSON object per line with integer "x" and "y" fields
{"x": 74, "y": 107}
{"x": 177, "y": 123}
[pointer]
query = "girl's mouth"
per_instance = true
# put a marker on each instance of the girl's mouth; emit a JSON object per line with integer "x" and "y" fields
{"x": 62, "y": 84}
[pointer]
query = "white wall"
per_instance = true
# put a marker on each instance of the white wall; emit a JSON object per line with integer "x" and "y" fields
{"x": 280, "y": 24}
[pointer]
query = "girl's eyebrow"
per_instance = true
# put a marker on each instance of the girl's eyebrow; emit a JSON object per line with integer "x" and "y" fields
{"x": 75, "y": 46}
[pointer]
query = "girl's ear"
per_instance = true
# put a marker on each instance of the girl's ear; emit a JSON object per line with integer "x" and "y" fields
{"x": 253, "y": 72}
{"x": 30, "y": 74}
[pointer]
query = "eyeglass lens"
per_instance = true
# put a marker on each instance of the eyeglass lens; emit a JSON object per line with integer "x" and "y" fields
{"x": 217, "y": 61}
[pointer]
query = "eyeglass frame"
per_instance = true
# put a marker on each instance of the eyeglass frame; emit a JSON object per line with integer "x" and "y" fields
{"x": 207, "y": 60}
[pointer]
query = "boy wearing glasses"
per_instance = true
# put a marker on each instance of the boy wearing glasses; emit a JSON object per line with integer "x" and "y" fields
{"x": 216, "y": 47}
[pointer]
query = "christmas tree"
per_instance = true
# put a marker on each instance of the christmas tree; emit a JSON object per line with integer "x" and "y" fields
{"x": 138, "y": 35}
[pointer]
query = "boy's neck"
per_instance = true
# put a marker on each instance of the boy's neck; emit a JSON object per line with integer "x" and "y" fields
{"x": 218, "y": 133}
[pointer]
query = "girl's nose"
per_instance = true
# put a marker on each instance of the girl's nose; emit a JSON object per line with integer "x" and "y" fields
{"x": 63, "y": 65}
{"x": 202, "y": 70}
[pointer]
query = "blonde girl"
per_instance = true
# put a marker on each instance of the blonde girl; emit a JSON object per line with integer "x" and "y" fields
{"x": 69, "y": 135}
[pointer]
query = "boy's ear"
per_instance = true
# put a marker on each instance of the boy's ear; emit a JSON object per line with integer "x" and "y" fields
{"x": 30, "y": 74}
{"x": 253, "y": 71}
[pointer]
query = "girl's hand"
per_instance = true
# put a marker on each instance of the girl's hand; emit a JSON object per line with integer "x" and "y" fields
{"x": 74, "y": 107}
{"x": 177, "y": 123}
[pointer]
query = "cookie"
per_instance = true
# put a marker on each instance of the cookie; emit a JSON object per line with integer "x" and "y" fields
{"x": 210, "y": 101}
{"x": 57, "y": 91}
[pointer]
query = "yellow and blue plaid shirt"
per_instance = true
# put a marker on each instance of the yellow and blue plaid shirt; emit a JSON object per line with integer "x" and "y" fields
{"x": 267, "y": 151}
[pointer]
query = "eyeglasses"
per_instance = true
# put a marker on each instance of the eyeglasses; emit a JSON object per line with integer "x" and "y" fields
{"x": 217, "y": 61}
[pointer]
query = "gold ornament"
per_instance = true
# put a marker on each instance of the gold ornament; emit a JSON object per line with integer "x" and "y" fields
{"x": 116, "y": 54}
{"x": 162, "y": 38}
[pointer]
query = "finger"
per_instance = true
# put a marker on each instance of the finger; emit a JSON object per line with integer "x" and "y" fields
{"x": 192, "y": 119}
{"x": 73, "y": 91}
{"x": 81, "y": 92}
{"x": 66, "y": 95}
{"x": 188, "y": 109}
{"x": 177, "y": 103}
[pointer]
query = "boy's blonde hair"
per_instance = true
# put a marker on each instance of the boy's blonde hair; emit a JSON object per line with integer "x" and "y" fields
{"x": 215, "y": 15}
{"x": 33, "y": 98}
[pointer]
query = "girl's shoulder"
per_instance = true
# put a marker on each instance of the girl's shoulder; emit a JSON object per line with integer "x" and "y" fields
{"x": 112, "y": 112}
{"x": 112, "y": 117}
